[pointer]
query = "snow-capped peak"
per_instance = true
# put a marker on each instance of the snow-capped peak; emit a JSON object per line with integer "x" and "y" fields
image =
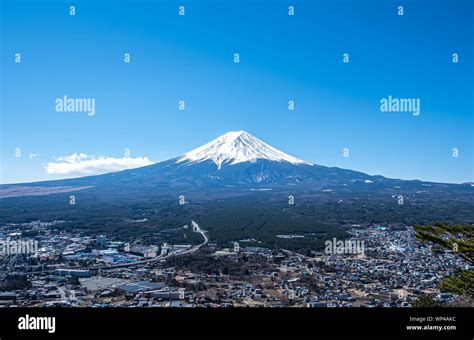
{"x": 236, "y": 147}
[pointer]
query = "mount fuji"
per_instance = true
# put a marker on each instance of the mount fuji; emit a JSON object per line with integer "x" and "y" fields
{"x": 239, "y": 187}
{"x": 237, "y": 147}
{"x": 236, "y": 160}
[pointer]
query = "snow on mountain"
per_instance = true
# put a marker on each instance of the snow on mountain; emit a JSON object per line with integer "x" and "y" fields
{"x": 237, "y": 147}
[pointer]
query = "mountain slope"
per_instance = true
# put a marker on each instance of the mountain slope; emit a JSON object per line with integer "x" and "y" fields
{"x": 235, "y": 160}
{"x": 239, "y": 187}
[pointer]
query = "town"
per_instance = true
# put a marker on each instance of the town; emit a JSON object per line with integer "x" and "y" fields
{"x": 73, "y": 270}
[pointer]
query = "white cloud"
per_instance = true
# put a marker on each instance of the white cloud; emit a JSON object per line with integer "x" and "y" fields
{"x": 74, "y": 158}
{"x": 79, "y": 164}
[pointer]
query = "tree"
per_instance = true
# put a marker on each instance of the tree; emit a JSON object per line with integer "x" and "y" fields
{"x": 426, "y": 301}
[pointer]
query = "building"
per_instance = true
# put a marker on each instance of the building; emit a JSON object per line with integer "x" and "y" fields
{"x": 72, "y": 272}
{"x": 8, "y": 296}
{"x": 167, "y": 295}
{"x": 140, "y": 287}
{"x": 145, "y": 251}
{"x": 101, "y": 240}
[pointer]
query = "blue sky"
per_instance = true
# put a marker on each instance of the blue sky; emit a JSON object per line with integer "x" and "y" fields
{"x": 282, "y": 58}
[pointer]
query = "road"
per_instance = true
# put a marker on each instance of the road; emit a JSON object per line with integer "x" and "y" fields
{"x": 195, "y": 227}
